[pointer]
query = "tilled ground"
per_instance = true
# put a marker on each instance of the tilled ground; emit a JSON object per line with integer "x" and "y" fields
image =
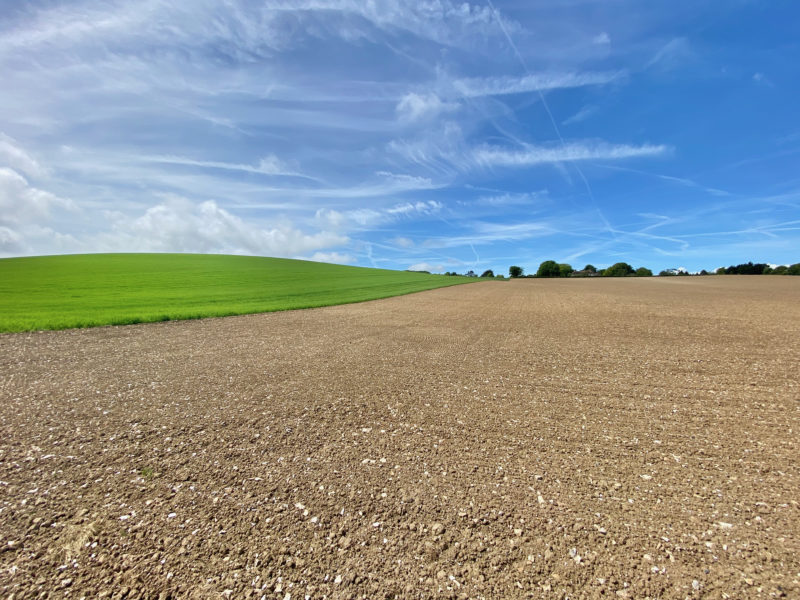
{"x": 632, "y": 438}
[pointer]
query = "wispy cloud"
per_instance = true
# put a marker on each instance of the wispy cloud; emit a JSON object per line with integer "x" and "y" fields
{"x": 268, "y": 165}
{"x": 367, "y": 218}
{"x": 255, "y": 28}
{"x": 583, "y": 114}
{"x": 684, "y": 181}
{"x": 671, "y": 54}
{"x": 402, "y": 242}
{"x": 537, "y": 155}
{"x": 415, "y": 107}
{"x": 507, "y": 199}
{"x": 14, "y": 156}
{"x": 501, "y": 86}
{"x": 353, "y": 131}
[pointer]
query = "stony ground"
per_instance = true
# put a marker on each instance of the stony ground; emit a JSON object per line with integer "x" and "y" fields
{"x": 631, "y": 438}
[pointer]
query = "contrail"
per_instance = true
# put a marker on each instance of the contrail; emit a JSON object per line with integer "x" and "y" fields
{"x": 524, "y": 64}
{"x": 477, "y": 258}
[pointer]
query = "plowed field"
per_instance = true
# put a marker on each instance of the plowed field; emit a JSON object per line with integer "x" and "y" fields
{"x": 634, "y": 438}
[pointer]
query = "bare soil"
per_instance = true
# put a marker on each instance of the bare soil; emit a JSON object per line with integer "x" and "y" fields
{"x": 633, "y": 438}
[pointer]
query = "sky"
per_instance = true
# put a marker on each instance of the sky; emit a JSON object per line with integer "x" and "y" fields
{"x": 430, "y": 135}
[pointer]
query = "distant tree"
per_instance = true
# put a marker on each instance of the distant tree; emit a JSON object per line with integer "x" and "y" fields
{"x": 747, "y": 269}
{"x": 515, "y": 271}
{"x": 487, "y": 273}
{"x": 643, "y": 272}
{"x": 549, "y": 268}
{"x": 619, "y": 269}
{"x": 793, "y": 269}
{"x": 761, "y": 269}
{"x": 720, "y": 271}
{"x": 780, "y": 270}
{"x": 564, "y": 270}
{"x": 590, "y": 268}
{"x": 703, "y": 272}
{"x": 471, "y": 273}
{"x": 667, "y": 273}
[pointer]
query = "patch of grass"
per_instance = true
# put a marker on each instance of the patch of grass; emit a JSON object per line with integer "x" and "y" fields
{"x": 147, "y": 473}
{"x": 89, "y": 290}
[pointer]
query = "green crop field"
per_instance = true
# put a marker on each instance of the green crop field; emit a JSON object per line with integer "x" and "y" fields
{"x": 60, "y": 292}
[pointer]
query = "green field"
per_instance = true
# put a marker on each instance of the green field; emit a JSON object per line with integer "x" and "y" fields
{"x": 61, "y": 292}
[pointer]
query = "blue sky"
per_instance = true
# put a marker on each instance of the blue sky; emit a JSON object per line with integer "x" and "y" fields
{"x": 432, "y": 135}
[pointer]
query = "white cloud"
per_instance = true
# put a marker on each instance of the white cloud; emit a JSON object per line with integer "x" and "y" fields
{"x": 338, "y": 258}
{"x": 12, "y": 155}
{"x": 601, "y": 39}
{"x": 32, "y": 239}
{"x": 179, "y": 225}
{"x": 11, "y": 242}
{"x": 409, "y": 208}
{"x": 424, "y": 266}
{"x": 500, "y": 86}
{"x": 403, "y": 242}
{"x": 762, "y": 79}
{"x": 21, "y": 203}
{"x": 414, "y": 107}
{"x": 535, "y": 155}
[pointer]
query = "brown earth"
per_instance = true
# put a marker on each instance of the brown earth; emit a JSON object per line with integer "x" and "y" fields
{"x": 632, "y": 438}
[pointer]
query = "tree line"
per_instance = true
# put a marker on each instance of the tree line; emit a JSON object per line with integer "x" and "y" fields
{"x": 551, "y": 268}
{"x": 759, "y": 269}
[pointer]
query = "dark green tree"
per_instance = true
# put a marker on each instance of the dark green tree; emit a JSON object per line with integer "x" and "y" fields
{"x": 515, "y": 271}
{"x": 747, "y": 269}
{"x": 643, "y": 272}
{"x": 564, "y": 269}
{"x": 549, "y": 268}
{"x": 487, "y": 273}
{"x": 590, "y": 268}
{"x": 620, "y": 269}
{"x": 793, "y": 269}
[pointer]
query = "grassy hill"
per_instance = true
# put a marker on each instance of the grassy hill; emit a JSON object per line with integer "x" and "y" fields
{"x": 88, "y": 290}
